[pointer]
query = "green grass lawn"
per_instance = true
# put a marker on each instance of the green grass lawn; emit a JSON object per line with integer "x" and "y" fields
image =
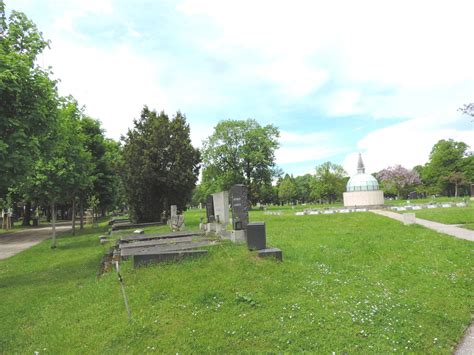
{"x": 354, "y": 283}
{"x": 452, "y": 215}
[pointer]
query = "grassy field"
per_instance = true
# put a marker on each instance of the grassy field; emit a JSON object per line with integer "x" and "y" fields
{"x": 452, "y": 215}
{"x": 352, "y": 283}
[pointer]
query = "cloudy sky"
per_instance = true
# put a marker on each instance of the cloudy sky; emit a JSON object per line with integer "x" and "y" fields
{"x": 337, "y": 77}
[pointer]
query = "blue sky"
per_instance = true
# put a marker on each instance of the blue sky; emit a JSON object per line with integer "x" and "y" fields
{"x": 336, "y": 77}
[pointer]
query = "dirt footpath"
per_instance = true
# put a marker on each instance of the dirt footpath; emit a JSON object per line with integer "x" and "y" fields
{"x": 11, "y": 244}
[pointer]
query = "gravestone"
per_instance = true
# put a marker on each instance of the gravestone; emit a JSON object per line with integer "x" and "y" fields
{"x": 221, "y": 207}
{"x": 210, "y": 209}
{"x": 256, "y": 236}
{"x": 174, "y": 211}
{"x": 239, "y": 204}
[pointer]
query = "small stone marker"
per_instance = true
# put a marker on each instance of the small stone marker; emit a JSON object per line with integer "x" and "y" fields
{"x": 432, "y": 206}
{"x": 271, "y": 252}
{"x": 409, "y": 218}
{"x": 138, "y": 231}
{"x": 299, "y": 214}
{"x": 446, "y": 205}
{"x": 416, "y": 208}
{"x": 256, "y": 237}
{"x": 460, "y": 204}
{"x": 174, "y": 211}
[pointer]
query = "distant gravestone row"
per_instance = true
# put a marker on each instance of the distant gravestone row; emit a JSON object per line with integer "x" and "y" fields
{"x": 329, "y": 211}
{"x": 430, "y": 206}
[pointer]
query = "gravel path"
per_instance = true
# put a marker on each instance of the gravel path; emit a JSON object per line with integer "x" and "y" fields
{"x": 11, "y": 244}
{"x": 466, "y": 346}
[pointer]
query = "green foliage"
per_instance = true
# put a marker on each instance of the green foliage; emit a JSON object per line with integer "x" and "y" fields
{"x": 446, "y": 169}
{"x": 107, "y": 160}
{"x": 287, "y": 189}
{"x": 160, "y": 165}
{"x": 329, "y": 182}
{"x": 240, "y": 152}
{"x": 66, "y": 167}
{"x": 303, "y": 187}
{"x": 28, "y": 98}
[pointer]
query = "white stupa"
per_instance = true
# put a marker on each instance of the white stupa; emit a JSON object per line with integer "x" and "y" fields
{"x": 362, "y": 189}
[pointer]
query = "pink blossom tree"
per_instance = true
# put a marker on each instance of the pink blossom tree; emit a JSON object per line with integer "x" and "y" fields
{"x": 398, "y": 178}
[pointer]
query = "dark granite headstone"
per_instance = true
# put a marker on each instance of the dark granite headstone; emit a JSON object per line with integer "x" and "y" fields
{"x": 256, "y": 237}
{"x": 210, "y": 209}
{"x": 239, "y": 202}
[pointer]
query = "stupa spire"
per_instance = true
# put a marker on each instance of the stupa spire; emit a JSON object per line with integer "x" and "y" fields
{"x": 360, "y": 165}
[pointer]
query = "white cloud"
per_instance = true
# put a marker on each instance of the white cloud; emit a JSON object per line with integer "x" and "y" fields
{"x": 306, "y": 147}
{"x": 408, "y": 143}
{"x": 114, "y": 84}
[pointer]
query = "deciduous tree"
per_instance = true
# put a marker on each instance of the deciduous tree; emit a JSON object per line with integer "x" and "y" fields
{"x": 240, "y": 152}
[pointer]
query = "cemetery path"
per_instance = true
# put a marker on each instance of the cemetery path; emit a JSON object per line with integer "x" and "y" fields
{"x": 13, "y": 243}
{"x": 452, "y": 230}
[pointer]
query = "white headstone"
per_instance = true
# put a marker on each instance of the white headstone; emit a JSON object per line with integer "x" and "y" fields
{"x": 221, "y": 207}
{"x": 174, "y": 211}
{"x": 299, "y": 214}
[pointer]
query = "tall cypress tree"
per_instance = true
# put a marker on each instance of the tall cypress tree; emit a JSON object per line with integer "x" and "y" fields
{"x": 160, "y": 165}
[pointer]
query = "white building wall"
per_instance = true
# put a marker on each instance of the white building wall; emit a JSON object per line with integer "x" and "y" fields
{"x": 363, "y": 198}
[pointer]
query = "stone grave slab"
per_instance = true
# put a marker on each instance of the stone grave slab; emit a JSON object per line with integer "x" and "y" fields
{"x": 148, "y": 243}
{"x": 132, "y": 238}
{"x": 141, "y": 260}
{"x": 157, "y": 249}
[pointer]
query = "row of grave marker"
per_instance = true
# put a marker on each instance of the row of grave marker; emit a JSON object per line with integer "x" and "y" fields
{"x": 217, "y": 207}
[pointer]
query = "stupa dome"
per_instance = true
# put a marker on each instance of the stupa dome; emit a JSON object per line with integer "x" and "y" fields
{"x": 362, "y": 181}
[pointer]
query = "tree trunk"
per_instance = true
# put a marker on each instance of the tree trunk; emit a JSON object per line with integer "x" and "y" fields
{"x": 74, "y": 216}
{"x": 53, "y": 213}
{"x": 455, "y": 189}
{"x": 48, "y": 214}
{"x": 27, "y": 214}
{"x": 81, "y": 215}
